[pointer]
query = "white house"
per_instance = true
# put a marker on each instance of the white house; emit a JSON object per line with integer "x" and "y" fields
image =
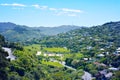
{"x": 38, "y": 53}
{"x": 59, "y": 55}
{"x": 100, "y": 55}
{"x": 50, "y": 54}
{"x": 102, "y": 49}
{"x": 44, "y": 54}
{"x": 114, "y": 69}
{"x": 118, "y": 50}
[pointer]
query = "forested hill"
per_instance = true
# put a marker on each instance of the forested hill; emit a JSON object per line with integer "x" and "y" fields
{"x": 56, "y": 30}
{"x": 21, "y": 33}
{"x": 103, "y": 36}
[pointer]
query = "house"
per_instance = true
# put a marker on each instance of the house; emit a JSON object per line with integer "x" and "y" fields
{"x": 89, "y": 47}
{"x": 50, "y": 54}
{"x": 107, "y": 53}
{"x": 102, "y": 49}
{"x": 109, "y": 75}
{"x": 118, "y": 50}
{"x": 104, "y": 75}
{"x": 114, "y": 69}
{"x": 44, "y": 54}
{"x": 99, "y": 64}
{"x": 86, "y": 59}
{"x": 59, "y": 55}
{"x": 104, "y": 72}
{"x": 100, "y": 55}
{"x": 38, "y": 53}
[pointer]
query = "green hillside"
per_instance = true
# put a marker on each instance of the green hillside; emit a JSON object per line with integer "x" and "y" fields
{"x": 98, "y": 45}
{"x": 21, "y": 33}
{"x": 105, "y": 36}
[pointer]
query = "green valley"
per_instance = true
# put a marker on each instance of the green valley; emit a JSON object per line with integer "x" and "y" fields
{"x": 72, "y": 55}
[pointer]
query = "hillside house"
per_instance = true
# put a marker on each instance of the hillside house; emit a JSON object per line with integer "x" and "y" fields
{"x": 104, "y": 75}
{"x": 100, "y": 55}
{"x": 38, "y": 53}
{"x": 118, "y": 50}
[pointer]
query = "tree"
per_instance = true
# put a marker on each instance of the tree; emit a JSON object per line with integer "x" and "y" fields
{"x": 3, "y": 61}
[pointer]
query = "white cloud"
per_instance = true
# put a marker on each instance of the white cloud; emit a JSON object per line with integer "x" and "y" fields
{"x": 53, "y": 9}
{"x": 66, "y": 14}
{"x": 71, "y": 10}
{"x": 36, "y": 6}
{"x": 40, "y": 7}
{"x": 14, "y": 5}
{"x": 44, "y": 7}
{"x": 16, "y": 8}
{"x": 56, "y": 11}
{"x": 72, "y": 15}
{"x": 59, "y": 13}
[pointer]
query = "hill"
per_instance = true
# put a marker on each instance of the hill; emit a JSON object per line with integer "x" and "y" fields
{"x": 21, "y": 33}
{"x": 57, "y": 30}
{"x": 105, "y": 36}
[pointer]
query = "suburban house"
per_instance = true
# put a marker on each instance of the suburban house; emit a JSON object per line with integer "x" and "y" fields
{"x": 118, "y": 50}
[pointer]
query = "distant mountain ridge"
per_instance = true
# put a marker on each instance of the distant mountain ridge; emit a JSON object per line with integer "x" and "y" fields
{"x": 6, "y": 26}
{"x": 18, "y": 33}
{"x": 57, "y": 30}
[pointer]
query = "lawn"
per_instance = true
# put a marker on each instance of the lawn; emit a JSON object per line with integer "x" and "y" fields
{"x": 56, "y": 64}
{"x": 73, "y": 55}
{"x": 57, "y": 50}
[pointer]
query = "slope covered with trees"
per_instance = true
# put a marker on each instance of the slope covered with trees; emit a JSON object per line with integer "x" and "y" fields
{"x": 3, "y": 61}
{"x": 92, "y": 42}
{"x": 93, "y": 38}
{"x": 28, "y": 66}
{"x": 21, "y": 33}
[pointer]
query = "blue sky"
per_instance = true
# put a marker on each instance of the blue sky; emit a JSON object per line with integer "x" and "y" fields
{"x": 59, "y": 12}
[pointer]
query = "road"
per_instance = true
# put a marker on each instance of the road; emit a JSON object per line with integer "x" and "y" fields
{"x": 11, "y": 56}
{"x": 63, "y": 63}
{"x": 87, "y": 76}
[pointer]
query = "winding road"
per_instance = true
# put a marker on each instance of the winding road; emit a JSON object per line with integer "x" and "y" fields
{"x": 63, "y": 63}
{"x": 86, "y": 76}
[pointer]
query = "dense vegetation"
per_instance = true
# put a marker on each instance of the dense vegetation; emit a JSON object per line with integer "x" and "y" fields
{"x": 3, "y": 61}
{"x": 90, "y": 40}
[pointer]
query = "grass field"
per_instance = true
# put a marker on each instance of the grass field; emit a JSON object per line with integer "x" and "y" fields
{"x": 56, "y": 64}
{"x": 57, "y": 50}
{"x": 73, "y": 55}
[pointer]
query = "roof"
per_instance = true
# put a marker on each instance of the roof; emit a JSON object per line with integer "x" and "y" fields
{"x": 109, "y": 75}
{"x": 101, "y": 55}
{"x": 112, "y": 68}
{"x": 118, "y": 49}
{"x": 103, "y": 72}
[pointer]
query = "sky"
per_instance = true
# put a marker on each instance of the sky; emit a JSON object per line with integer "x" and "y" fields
{"x": 51, "y": 13}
